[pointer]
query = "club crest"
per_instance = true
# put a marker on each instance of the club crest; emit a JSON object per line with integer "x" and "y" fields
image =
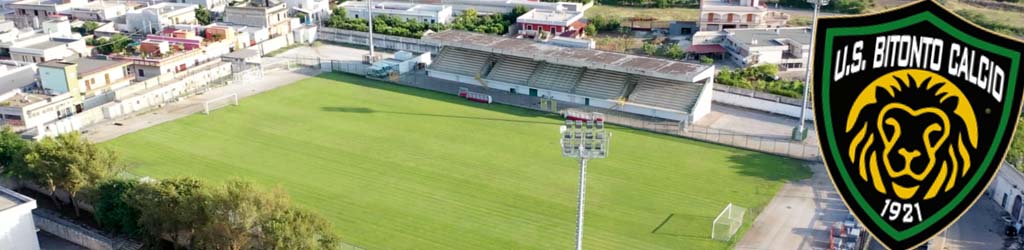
{"x": 915, "y": 109}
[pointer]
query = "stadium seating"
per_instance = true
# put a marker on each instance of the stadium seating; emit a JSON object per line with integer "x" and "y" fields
{"x": 460, "y": 61}
{"x": 556, "y": 77}
{"x": 664, "y": 93}
{"x": 601, "y": 84}
{"x": 512, "y": 69}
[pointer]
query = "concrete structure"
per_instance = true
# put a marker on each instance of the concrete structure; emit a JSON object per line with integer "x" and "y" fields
{"x": 315, "y": 10}
{"x": 654, "y": 87}
{"x": 28, "y": 110}
{"x": 787, "y": 47}
{"x": 239, "y": 59}
{"x": 270, "y": 15}
{"x": 1008, "y": 191}
{"x": 505, "y": 6}
{"x": 156, "y": 17}
{"x": 17, "y": 229}
{"x": 100, "y": 75}
{"x": 100, "y": 11}
{"x": 728, "y": 14}
{"x": 43, "y": 47}
{"x": 31, "y": 12}
{"x": 424, "y": 13}
{"x": 16, "y": 75}
{"x": 551, "y": 22}
{"x": 212, "y": 5}
{"x": 175, "y": 61}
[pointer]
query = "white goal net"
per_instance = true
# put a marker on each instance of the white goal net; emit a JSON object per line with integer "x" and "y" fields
{"x": 727, "y": 222}
{"x": 220, "y": 102}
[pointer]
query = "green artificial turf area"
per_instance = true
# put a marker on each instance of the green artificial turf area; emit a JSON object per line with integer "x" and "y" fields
{"x": 395, "y": 167}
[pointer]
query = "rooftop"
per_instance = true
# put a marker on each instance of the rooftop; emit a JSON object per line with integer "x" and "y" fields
{"x": 549, "y": 15}
{"x": 771, "y": 36}
{"x": 21, "y": 100}
{"x": 394, "y": 7}
{"x": 242, "y": 54}
{"x": 167, "y": 7}
{"x": 594, "y": 59}
{"x": 91, "y": 65}
{"x": 46, "y": 44}
{"x": 40, "y": 2}
{"x": 729, "y": 5}
{"x": 9, "y": 199}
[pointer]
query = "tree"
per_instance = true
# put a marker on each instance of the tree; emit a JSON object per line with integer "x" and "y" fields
{"x": 674, "y": 51}
{"x": 175, "y": 208}
{"x": 203, "y": 16}
{"x": 650, "y": 49}
{"x": 661, "y": 3}
{"x": 88, "y": 28}
{"x": 295, "y": 228}
{"x": 12, "y": 148}
{"x": 1016, "y": 153}
{"x": 236, "y": 211}
{"x": 114, "y": 210}
{"x": 71, "y": 163}
{"x": 590, "y": 30}
{"x": 706, "y": 60}
{"x": 302, "y": 17}
{"x": 518, "y": 10}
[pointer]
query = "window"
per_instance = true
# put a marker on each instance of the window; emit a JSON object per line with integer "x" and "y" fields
{"x": 142, "y": 73}
{"x": 529, "y": 27}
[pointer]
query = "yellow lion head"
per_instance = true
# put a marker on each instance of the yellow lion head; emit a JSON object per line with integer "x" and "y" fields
{"x": 913, "y": 132}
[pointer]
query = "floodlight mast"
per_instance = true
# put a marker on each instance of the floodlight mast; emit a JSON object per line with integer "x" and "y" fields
{"x": 800, "y": 129}
{"x": 584, "y": 141}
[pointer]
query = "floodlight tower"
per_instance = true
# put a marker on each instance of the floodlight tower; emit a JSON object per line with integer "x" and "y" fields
{"x": 800, "y": 132}
{"x": 584, "y": 140}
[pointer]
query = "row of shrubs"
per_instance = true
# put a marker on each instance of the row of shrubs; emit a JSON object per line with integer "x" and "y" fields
{"x": 469, "y": 20}
{"x": 180, "y": 212}
{"x": 761, "y": 78}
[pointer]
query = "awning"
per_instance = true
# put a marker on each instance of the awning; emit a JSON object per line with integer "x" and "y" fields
{"x": 706, "y": 49}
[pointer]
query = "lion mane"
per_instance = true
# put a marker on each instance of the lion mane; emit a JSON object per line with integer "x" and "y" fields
{"x": 879, "y": 142}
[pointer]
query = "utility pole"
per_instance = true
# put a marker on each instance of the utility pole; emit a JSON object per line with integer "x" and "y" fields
{"x": 800, "y": 132}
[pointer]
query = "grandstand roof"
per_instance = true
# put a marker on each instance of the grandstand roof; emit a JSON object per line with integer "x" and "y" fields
{"x": 589, "y": 58}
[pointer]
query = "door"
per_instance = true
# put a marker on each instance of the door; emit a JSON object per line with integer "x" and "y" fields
{"x": 1016, "y": 208}
{"x": 512, "y": 90}
{"x": 533, "y": 92}
{"x": 586, "y": 101}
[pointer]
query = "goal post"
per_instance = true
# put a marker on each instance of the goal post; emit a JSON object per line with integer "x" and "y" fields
{"x": 728, "y": 222}
{"x": 220, "y": 102}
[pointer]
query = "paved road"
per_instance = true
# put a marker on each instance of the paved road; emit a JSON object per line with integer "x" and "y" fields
{"x": 798, "y": 217}
{"x": 271, "y": 80}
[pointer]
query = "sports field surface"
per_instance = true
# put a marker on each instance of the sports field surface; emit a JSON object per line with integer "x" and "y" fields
{"x": 396, "y": 167}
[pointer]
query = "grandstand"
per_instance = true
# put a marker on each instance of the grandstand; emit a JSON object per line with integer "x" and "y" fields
{"x": 650, "y": 86}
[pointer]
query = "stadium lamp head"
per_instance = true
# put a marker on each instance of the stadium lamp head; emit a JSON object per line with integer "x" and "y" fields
{"x": 584, "y": 140}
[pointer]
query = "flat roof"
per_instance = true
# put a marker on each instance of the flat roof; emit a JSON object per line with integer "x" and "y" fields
{"x": 90, "y": 65}
{"x": 22, "y": 99}
{"x": 549, "y": 15}
{"x": 589, "y": 58}
{"x": 769, "y": 36}
{"x": 9, "y": 199}
{"x": 728, "y": 5}
{"x": 242, "y": 54}
{"x": 165, "y": 7}
{"x": 46, "y": 44}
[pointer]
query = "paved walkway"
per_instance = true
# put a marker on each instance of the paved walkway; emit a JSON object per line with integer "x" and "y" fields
{"x": 271, "y": 80}
{"x": 751, "y": 122}
{"x": 798, "y": 217}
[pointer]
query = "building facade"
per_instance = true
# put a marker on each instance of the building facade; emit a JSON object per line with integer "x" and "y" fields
{"x": 424, "y": 13}
{"x": 153, "y": 19}
{"x": 17, "y": 228}
{"x": 270, "y": 15}
{"x": 729, "y": 14}
{"x": 551, "y": 22}
{"x": 789, "y": 48}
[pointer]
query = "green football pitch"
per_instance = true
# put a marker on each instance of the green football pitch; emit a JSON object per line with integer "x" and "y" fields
{"x": 395, "y": 167}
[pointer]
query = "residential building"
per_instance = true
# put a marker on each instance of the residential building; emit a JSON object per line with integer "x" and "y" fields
{"x": 266, "y": 14}
{"x": 29, "y": 13}
{"x": 17, "y": 228}
{"x": 84, "y": 77}
{"x": 16, "y": 75}
{"x": 1007, "y": 190}
{"x": 424, "y": 13}
{"x": 151, "y": 65}
{"x": 43, "y": 47}
{"x": 787, "y": 47}
{"x": 551, "y": 22}
{"x": 99, "y": 11}
{"x": 506, "y": 6}
{"x": 728, "y": 14}
{"x": 156, "y": 17}
{"x": 212, "y": 5}
{"x": 315, "y": 10}
{"x": 22, "y": 110}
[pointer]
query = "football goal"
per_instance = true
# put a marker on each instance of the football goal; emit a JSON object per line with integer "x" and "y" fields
{"x": 727, "y": 223}
{"x": 220, "y": 102}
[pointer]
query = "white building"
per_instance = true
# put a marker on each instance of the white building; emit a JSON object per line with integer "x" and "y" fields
{"x": 424, "y": 13}
{"x": 1008, "y": 190}
{"x": 212, "y": 5}
{"x": 316, "y": 10}
{"x": 29, "y": 13}
{"x": 16, "y": 75}
{"x": 17, "y": 229}
{"x": 100, "y": 11}
{"x": 787, "y": 47}
{"x": 154, "y": 18}
{"x": 43, "y": 47}
{"x": 729, "y": 14}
